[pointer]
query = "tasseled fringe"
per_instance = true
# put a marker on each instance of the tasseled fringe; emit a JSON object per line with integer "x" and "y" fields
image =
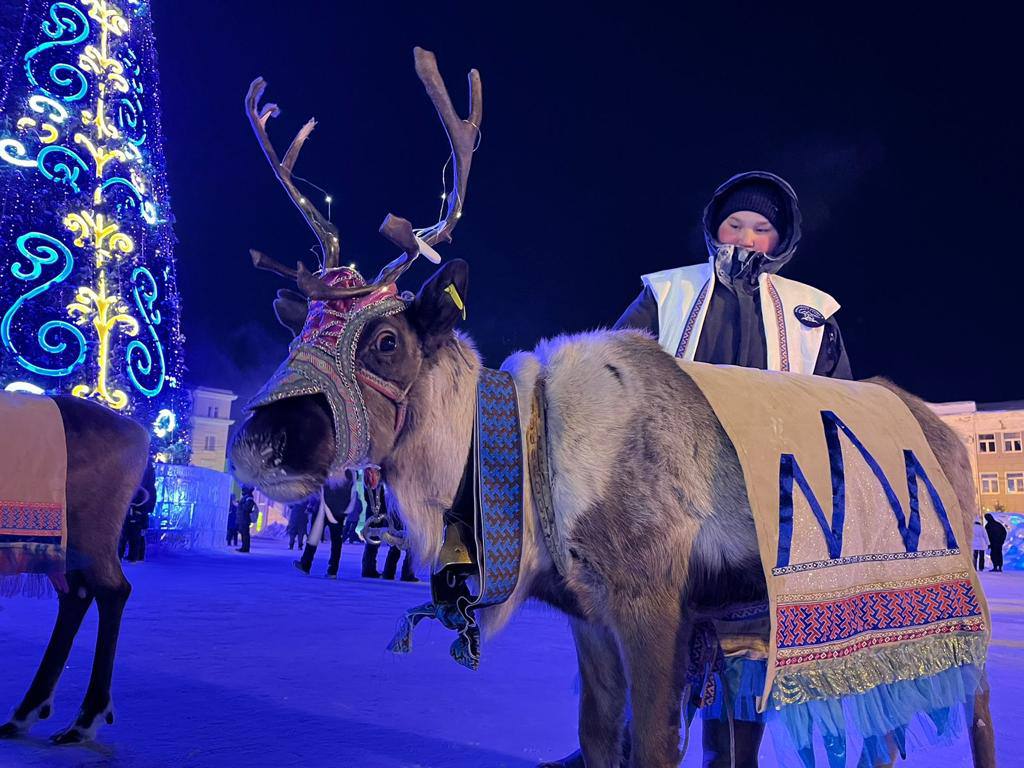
{"x": 26, "y": 585}
{"x": 861, "y": 672}
{"x": 912, "y": 713}
{"x": 916, "y": 695}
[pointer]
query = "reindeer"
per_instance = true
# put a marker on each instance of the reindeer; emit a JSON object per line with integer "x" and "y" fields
{"x": 396, "y": 388}
{"x": 107, "y": 455}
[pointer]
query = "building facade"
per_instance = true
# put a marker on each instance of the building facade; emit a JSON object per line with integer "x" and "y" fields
{"x": 211, "y": 422}
{"x": 994, "y": 436}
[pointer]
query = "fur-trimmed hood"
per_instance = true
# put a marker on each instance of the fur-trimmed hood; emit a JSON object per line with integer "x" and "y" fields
{"x": 787, "y": 247}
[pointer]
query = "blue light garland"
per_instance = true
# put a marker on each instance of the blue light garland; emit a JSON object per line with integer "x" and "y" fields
{"x": 87, "y": 276}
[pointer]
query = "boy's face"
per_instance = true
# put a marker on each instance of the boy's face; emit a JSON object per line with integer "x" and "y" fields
{"x": 749, "y": 230}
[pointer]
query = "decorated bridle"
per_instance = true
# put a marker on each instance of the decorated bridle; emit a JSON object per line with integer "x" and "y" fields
{"x": 340, "y": 303}
{"x": 483, "y": 531}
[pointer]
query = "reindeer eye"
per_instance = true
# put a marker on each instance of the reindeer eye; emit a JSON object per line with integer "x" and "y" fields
{"x": 387, "y": 342}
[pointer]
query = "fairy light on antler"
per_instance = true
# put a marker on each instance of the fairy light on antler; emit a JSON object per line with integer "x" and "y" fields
{"x": 463, "y": 137}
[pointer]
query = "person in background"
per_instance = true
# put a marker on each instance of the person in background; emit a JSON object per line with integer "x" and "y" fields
{"x": 996, "y": 538}
{"x": 333, "y": 505}
{"x": 247, "y": 514}
{"x": 298, "y": 524}
{"x": 980, "y": 544}
{"x": 342, "y": 502}
{"x": 232, "y": 532}
{"x": 378, "y": 504}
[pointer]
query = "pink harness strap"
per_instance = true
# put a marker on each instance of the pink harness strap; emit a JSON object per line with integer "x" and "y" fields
{"x": 390, "y": 390}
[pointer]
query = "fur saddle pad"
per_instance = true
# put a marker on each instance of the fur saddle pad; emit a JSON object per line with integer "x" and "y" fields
{"x": 33, "y": 476}
{"x": 861, "y": 536}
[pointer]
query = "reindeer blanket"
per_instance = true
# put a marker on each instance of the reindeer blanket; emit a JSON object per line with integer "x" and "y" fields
{"x": 33, "y": 473}
{"x": 860, "y": 532}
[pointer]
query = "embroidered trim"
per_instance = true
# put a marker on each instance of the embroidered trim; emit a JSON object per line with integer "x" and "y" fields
{"x": 921, "y": 581}
{"x": 876, "y": 640}
{"x": 875, "y": 558}
{"x": 780, "y": 323}
{"x": 489, "y": 506}
{"x": 500, "y": 478}
{"x": 692, "y": 319}
{"x": 893, "y": 612}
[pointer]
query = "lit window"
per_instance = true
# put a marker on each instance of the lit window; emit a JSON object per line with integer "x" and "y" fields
{"x": 1015, "y": 482}
{"x": 210, "y": 444}
{"x": 987, "y": 443}
{"x": 990, "y": 482}
{"x": 1012, "y": 442}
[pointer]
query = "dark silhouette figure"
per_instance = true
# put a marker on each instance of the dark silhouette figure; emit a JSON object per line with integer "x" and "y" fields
{"x": 996, "y": 538}
{"x": 247, "y": 513}
{"x": 340, "y": 502}
{"x": 298, "y": 524}
{"x": 232, "y": 532}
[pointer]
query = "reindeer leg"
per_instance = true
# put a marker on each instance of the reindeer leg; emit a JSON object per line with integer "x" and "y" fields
{"x": 97, "y": 705}
{"x": 603, "y": 695}
{"x": 982, "y": 729}
{"x": 651, "y": 633}
{"x": 37, "y": 704}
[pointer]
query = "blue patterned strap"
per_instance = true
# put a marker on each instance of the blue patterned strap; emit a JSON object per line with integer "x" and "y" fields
{"x": 494, "y": 509}
{"x": 499, "y": 487}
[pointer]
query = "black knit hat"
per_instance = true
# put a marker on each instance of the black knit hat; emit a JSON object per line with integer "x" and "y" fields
{"x": 759, "y": 196}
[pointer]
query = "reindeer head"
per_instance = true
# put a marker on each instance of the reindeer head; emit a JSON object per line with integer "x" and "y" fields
{"x": 338, "y": 400}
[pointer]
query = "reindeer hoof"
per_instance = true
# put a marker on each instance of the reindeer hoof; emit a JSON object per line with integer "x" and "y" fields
{"x": 575, "y": 760}
{"x": 13, "y": 729}
{"x": 72, "y": 735}
{"x": 85, "y": 726}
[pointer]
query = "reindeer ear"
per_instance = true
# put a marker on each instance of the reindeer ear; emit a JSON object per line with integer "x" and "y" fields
{"x": 440, "y": 304}
{"x": 291, "y": 308}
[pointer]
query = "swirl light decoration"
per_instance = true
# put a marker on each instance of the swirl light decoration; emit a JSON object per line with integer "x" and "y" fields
{"x": 89, "y": 303}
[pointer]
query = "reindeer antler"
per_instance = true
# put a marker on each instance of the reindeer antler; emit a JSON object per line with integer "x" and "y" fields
{"x": 462, "y": 137}
{"x": 326, "y": 233}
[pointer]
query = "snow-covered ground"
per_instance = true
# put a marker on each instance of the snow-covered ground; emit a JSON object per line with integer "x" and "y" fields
{"x": 229, "y": 660}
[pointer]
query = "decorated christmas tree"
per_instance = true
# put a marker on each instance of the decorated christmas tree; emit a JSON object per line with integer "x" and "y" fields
{"x": 88, "y": 300}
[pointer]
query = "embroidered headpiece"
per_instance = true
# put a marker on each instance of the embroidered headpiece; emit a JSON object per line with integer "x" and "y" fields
{"x": 322, "y": 360}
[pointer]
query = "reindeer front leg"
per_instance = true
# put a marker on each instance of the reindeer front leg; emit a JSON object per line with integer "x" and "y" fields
{"x": 37, "y": 704}
{"x": 602, "y": 695}
{"x": 982, "y": 731}
{"x": 651, "y": 632}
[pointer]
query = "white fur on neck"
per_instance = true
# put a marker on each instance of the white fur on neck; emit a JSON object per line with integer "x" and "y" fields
{"x": 426, "y": 466}
{"x": 424, "y": 470}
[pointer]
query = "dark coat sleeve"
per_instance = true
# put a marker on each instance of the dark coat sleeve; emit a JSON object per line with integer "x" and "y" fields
{"x": 642, "y": 314}
{"x": 832, "y": 358}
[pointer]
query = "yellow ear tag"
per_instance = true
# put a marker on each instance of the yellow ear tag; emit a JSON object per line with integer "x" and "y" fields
{"x": 452, "y": 291}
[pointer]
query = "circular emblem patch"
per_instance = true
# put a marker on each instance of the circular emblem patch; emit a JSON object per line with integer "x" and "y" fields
{"x": 809, "y": 316}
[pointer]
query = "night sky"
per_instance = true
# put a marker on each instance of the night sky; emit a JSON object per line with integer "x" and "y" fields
{"x": 604, "y": 133}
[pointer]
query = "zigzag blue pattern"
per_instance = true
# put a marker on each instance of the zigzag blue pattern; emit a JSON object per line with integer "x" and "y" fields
{"x": 501, "y": 485}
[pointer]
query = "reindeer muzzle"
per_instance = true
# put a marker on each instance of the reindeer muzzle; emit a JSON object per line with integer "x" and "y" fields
{"x": 322, "y": 361}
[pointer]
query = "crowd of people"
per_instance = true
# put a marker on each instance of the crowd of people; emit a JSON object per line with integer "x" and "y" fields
{"x": 990, "y": 536}
{"x": 338, "y": 514}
